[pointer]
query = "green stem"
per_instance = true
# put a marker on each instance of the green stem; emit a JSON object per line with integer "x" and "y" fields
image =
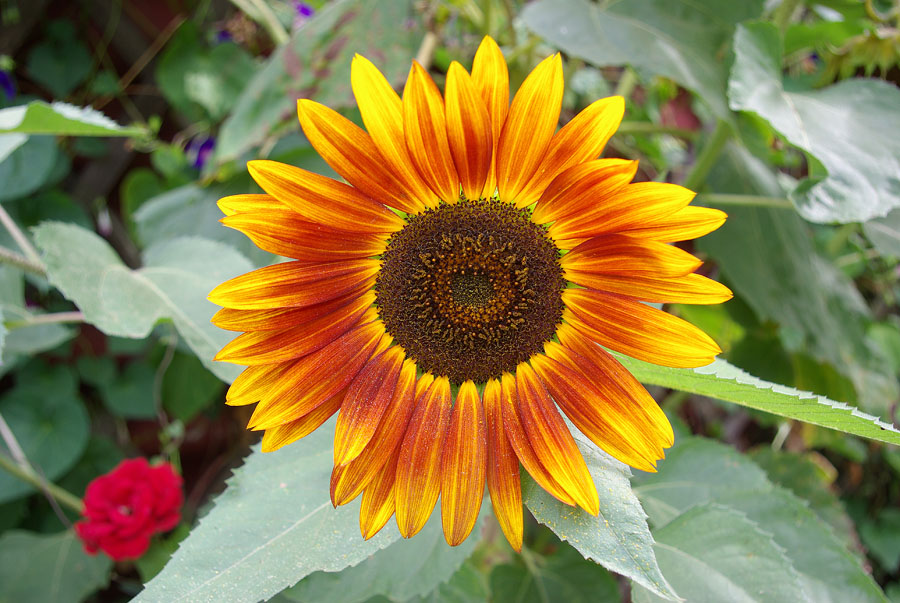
{"x": 45, "y": 319}
{"x": 64, "y": 497}
{"x": 19, "y": 237}
{"x": 646, "y": 127}
{"x": 261, "y": 11}
{"x": 627, "y": 82}
{"x": 8, "y": 256}
{"x": 782, "y": 16}
{"x": 744, "y": 201}
{"x": 708, "y": 156}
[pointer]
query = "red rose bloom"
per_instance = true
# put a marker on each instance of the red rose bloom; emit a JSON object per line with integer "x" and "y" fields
{"x": 125, "y": 507}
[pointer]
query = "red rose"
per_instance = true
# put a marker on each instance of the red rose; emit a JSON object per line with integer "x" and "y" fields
{"x": 125, "y": 507}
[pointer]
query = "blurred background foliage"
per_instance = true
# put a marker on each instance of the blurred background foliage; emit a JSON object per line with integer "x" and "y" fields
{"x": 785, "y": 114}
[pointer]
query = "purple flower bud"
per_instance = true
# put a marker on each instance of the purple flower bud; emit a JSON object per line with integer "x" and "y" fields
{"x": 8, "y": 85}
{"x": 199, "y": 150}
{"x": 223, "y": 35}
{"x": 303, "y": 10}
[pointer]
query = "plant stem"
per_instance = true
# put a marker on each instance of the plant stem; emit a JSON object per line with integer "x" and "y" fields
{"x": 646, "y": 127}
{"x": 627, "y": 83}
{"x": 782, "y": 15}
{"x": 19, "y": 237}
{"x": 8, "y": 256}
{"x": 46, "y": 319}
{"x": 744, "y": 200}
{"x": 426, "y": 49}
{"x": 259, "y": 10}
{"x": 708, "y": 156}
{"x": 62, "y": 496}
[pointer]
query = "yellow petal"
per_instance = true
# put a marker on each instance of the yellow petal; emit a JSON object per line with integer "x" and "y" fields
{"x": 468, "y": 131}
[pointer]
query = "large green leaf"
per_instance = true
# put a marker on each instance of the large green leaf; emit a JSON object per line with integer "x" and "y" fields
{"x": 173, "y": 284}
{"x": 48, "y": 568}
{"x": 727, "y": 382}
{"x": 700, "y": 472}
{"x": 61, "y": 119}
{"x": 849, "y": 128}
{"x": 713, "y": 553}
{"x": 28, "y": 167}
{"x": 680, "y": 39}
{"x": 405, "y": 569}
{"x": 273, "y": 526}
{"x": 378, "y": 30}
{"x": 618, "y": 537}
{"x": 884, "y": 233}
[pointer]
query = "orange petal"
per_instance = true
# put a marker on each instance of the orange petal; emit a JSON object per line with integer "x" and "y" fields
{"x": 237, "y": 204}
{"x": 321, "y": 199}
{"x": 425, "y": 128}
{"x": 293, "y": 284}
{"x": 270, "y": 347}
{"x": 604, "y": 417}
{"x": 636, "y": 329}
{"x": 378, "y": 499}
{"x": 382, "y": 113}
{"x": 353, "y": 155}
{"x": 582, "y": 187}
{"x": 503, "y": 479}
{"x": 282, "y": 318}
{"x": 368, "y": 398}
{"x": 529, "y": 127}
{"x": 491, "y": 78}
{"x": 622, "y": 255}
{"x": 348, "y": 481}
{"x": 463, "y": 466}
{"x": 551, "y": 440}
{"x": 251, "y": 385}
{"x": 468, "y": 131}
{"x": 685, "y": 224}
{"x": 580, "y": 140}
{"x": 282, "y": 435}
{"x": 419, "y": 466}
{"x": 512, "y": 425}
{"x": 632, "y": 206}
{"x": 313, "y": 379}
{"x": 686, "y": 289}
{"x": 284, "y": 233}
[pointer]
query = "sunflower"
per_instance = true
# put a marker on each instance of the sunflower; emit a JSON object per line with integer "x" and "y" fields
{"x": 448, "y": 300}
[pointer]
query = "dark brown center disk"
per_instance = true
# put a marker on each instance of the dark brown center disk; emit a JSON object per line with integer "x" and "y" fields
{"x": 471, "y": 289}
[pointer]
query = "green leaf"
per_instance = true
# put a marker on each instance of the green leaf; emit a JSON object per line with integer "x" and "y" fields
{"x": 28, "y": 167}
{"x": 161, "y": 549}
{"x": 618, "y": 537}
{"x": 130, "y": 395}
{"x": 564, "y": 576}
{"x": 332, "y": 37}
{"x": 173, "y": 284}
{"x": 884, "y": 233}
{"x": 882, "y": 538}
{"x": 726, "y": 382}
{"x": 683, "y": 40}
{"x": 61, "y": 62}
{"x": 848, "y": 127}
{"x": 712, "y": 553}
{"x": 61, "y": 119}
{"x": 405, "y": 569}
{"x": 273, "y": 526}
{"x": 188, "y": 388}
{"x": 48, "y": 568}
{"x": 465, "y": 586}
{"x": 100, "y": 456}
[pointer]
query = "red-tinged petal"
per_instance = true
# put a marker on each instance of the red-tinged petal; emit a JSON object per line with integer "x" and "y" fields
{"x": 321, "y": 199}
{"x": 580, "y": 188}
{"x": 623, "y": 255}
{"x": 368, "y": 398}
{"x": 419, "y": 466}
{"x": 379, "y": 499}
{"x": 463, "y": 466}
{"x": 638, "y": 330}
{"x": 686, "y": 289}
{"x": 580, "y": 140}
{"x": 382, "y": 114}
{"x": 353, "y": 155}
{"x": 503, "y": 479}
{"x": 551, "y": 441}
{"x": 603, "y": 416}
{"x": 282, "y": 435}
{"x": 316, "y": 377}
{"x": 238, "y": 204}
{"x": 271, "y": 347}
{"x": 491, "y": 77}
{"x": 425, "y": 129}
{"x": 294, "y": 284}
{"x": 285, "y": 233}
{"x": 252, "y": 384}
{"x": 348, "y": 481}
{"x": 632, "y": 206}
{"x": 684, "y": 225}
{"x": 468, "y": 131}
{"x": 529, "y": 127}
{"x": 512, "y": 425}
{"x": 282, "y": 318}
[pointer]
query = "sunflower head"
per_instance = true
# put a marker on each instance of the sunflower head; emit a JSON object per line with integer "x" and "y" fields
{"x": 458, "y": 292}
